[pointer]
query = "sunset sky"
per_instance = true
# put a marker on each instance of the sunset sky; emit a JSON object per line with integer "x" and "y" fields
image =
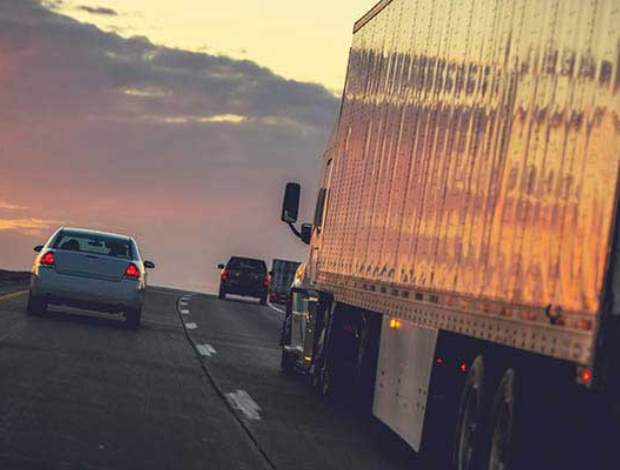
{"x": 177, "y": 122}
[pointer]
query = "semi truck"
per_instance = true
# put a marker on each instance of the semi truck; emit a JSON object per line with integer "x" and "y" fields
{"x": 462, "y": 277}
{"x": 282, "y": 276}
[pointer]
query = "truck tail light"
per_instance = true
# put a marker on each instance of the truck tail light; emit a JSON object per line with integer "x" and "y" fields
{"x": 132, "y": 271}
{"x": 584, "y": 376}
{"x": 266, "y": 280}
{"x": 224, "y": 275}
{"x": 48, "y": 259}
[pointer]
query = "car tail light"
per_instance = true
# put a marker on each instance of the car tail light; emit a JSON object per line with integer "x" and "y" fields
{"x": 224, "y": 275}
{"x": 132, "y": 271}
{"x": 266, "y": 280}
{"x": 47, "y": 259}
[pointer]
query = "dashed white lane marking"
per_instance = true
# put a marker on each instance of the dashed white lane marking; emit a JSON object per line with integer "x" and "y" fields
{"x": 205, "y": 350}
{"x": 184, "y": 311}
{"x": 242, "y": 401}
{"x": 191, "y": 326}
{"x": 277, "y": 309}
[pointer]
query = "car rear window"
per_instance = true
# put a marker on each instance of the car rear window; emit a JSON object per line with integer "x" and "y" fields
{"x": 247, "y": 264}
{"x": 96, "y": 244}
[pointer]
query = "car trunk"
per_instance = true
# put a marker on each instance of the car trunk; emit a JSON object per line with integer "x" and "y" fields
{"x": 90, "y": 265}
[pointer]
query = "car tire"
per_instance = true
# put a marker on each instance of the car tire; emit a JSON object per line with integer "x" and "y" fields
{"x": 133, "y": 318}
{"x": 263, "y": 300}
{"x": 222, "y": 294}
{"x": 37, "y": 305}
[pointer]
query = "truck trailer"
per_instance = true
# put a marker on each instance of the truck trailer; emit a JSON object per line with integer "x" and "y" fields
{"x": 463, "y": 275}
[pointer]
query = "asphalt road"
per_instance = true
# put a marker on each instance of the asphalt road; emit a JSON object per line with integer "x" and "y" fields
{"x": 198, "y": 386}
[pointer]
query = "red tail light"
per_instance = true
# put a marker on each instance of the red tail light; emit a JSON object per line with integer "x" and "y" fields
{"x": 47, "y": 259}
{"x": 132, "y": 271}
{"x": 463, "y": 367}
{"x": 266, "y": 280}
{"x": 224, "y": 275}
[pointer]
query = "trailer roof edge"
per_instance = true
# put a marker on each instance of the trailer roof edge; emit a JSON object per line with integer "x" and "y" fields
{"x": 374, "y": 11}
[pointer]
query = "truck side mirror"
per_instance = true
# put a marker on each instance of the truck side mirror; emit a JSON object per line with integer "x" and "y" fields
{"x": 290, "y": 205}
{"x": 306, "y": 233}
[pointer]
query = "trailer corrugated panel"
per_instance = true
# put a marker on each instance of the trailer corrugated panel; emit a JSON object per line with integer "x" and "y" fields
{"x": 475, "y": 176}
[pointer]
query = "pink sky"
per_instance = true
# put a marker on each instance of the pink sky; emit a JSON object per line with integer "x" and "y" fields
{"x": 116, "y": 134}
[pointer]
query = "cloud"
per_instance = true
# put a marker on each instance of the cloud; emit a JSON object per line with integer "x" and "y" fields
{"x": 98, "y": 10}
{"x": 10, "y": 207}
{"x": 29, "y": 226}
{"x": 187, "y": 151}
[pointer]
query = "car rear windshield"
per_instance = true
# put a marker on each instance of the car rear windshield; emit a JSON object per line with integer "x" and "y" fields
{"x": 247, "y": 264}
{"x": 97, "y": 244}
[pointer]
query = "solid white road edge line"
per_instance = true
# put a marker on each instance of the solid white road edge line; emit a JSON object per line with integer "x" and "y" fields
{"x": 205, "y": 350}
{"x": 273, "y": 307}
{"x": 242, "y": 401}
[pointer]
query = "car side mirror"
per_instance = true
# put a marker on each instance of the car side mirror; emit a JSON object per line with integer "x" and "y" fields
{"x": 38, "y": 248}
{"x": 271, "y": 273}
{"x": 149, "y": 265}
{"x": 220, "y": 266}
{"x": 306, "y": 233}
{"x": 290, "y": 204}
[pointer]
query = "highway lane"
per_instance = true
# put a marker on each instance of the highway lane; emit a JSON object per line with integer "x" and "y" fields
{"x": 238, "y": 342}
{"x": 83, "y": 392}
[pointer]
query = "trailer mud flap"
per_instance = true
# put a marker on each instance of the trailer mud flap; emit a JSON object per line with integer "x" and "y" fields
{"x": 406, "y": 354}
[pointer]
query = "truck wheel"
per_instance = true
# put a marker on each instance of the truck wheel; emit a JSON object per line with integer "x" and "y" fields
{"x": 470, "y": 418}
{"x": 498, "y": 448}
{"x": 37, "y": 305}
{"x": 133, "y": 317}
{"x": 325, "y": 385}
{"x": 287, "y": 362}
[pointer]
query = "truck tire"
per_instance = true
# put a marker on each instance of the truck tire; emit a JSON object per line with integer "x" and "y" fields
{"x": 470, "y": 420}
{"x": 497, "y": 450}
{"x": 287, "y": 362}
{"x": 37, "y": 305}
{"x": 132, "y": 318}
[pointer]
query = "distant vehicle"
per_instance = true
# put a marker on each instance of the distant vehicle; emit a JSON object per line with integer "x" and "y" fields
{"x": 244, "y": 276}
{"x": 282, "y": 275}
{"x": 90, "y": 270}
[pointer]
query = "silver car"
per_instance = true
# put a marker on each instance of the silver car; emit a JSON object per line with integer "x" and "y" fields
{"x": 90, "y": 270}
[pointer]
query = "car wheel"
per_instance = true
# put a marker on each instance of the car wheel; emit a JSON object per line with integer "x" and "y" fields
{"x": 222, "y": 294}
{"x": 263, "y": 300}
{"x": 37, "y": 305}
{"x": 133, "y": 317}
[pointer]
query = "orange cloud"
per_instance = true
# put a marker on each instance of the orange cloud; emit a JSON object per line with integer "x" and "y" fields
{"x": 10, "y": 207}
{"x": 28, "y": 226}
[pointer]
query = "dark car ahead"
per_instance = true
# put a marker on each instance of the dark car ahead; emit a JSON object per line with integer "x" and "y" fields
{"x": 244, "y": 276}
